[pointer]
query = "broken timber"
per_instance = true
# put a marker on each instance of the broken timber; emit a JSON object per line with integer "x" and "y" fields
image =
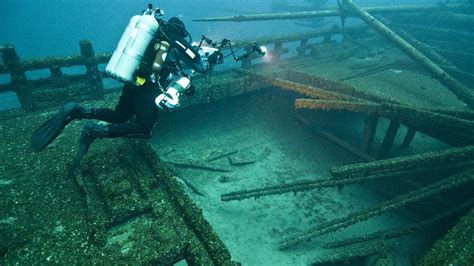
{"x": 197, "y": 165}
{"x": 298, "y": 87}
{"x": 351, "y": 252}
{"x": 325, "y": 13}
{"x": 463, "y": 93}
{"x": 397, "y": 202}
{"x": 456, "y": 246}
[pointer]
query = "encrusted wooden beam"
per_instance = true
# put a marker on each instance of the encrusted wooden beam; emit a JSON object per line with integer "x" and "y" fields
{"x": 297, "y": 87}
{"x": 453, "y": 130}
{"x": 399, "y": 232}
{"x": 341, "y": 181}
{"x": 397, "y": 202}
{"x": 325, "y": 13}
{"x": 290, "y": 187}
{"x": 343, "y": 256}
{"x": 456, "y": 247}
{"x": 429, "y": 159}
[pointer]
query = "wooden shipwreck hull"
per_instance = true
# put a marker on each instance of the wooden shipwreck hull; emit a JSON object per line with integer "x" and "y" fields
{"x": 125, "y": 206}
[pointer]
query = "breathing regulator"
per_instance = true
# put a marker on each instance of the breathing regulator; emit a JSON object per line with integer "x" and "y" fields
{"x": 151, "y": 31}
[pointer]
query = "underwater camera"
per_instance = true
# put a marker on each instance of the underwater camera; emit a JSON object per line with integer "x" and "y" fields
{"x": 227, "y": 44}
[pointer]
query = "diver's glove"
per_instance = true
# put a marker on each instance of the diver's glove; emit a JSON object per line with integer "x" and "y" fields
{"x": 170, "y": 99}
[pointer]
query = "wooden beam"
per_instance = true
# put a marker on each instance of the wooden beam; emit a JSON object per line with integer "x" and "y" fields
{"x": 450, "y": 129}
{"x": 408, "y": 138}
{"x": 454, "y": 181}
{"x": 428, "y": 159}
{"x": 368, "y": 133}
{"x": 387, "y": 142}
{"x": 326, "y": 13}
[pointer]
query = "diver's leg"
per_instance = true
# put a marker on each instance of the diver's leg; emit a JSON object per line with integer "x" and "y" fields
{"x": 92, "y": 131}
{"x": 123, "y": 111}
{"x": 139, "y": 127}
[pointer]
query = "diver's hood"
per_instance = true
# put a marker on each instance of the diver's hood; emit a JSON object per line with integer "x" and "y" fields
{"x": 176, "y": 27}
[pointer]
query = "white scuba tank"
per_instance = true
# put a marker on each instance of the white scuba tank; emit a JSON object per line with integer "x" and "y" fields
{"x": 131, "y": 48}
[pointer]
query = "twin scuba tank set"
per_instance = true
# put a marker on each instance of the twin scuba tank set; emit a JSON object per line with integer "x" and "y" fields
{"x": 137, "y": 37}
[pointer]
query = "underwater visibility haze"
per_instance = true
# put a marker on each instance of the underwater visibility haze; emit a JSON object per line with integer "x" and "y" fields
{"x": 276, "y": 132}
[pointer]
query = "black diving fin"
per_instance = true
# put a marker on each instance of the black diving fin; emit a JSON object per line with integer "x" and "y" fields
{"x": 51, "y": 129}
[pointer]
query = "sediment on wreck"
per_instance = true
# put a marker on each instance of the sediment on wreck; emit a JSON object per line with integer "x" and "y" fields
{"x": 122, "y": 205}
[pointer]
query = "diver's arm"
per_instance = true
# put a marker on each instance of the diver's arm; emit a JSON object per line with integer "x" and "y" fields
{"x": 170, "y": 99}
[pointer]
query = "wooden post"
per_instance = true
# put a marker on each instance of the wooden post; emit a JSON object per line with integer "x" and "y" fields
{"x": 408, "y": 138}
{"x": 55, "y": 71}
{"x": 13, "y": 64}
{"x": 277, "y": 52}
{"x": 388, "y": 139}
{"x": 368, "y": 134}
{"x": 463, "y": 93}
{"x": 327, "y": 38}
{"x": 18, "y": 78}
{"x": 91, "y": 65}
{"x": 302, "y": 48}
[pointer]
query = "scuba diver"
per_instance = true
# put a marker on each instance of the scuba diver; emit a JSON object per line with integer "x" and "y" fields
{"x": 155, "y": 60}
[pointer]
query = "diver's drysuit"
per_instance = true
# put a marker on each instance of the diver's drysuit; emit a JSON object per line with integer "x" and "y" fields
{"x": 136, "y": 113}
